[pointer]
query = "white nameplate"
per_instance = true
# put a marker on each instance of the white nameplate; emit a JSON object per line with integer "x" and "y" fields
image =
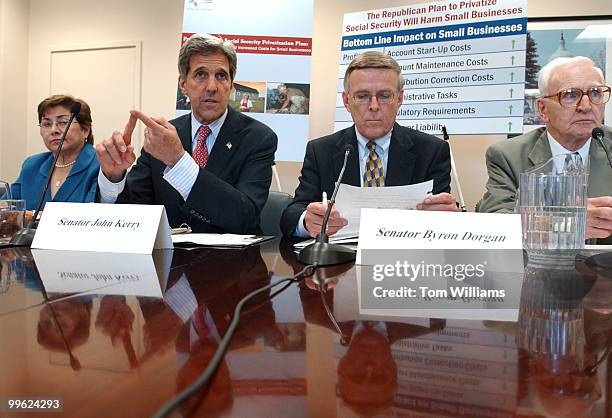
{"x": 136, "y": 229}
{"x": 417, "y": 229}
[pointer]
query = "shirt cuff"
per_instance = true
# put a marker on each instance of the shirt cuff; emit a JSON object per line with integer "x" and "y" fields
{"x": 109, "y": 190}
{"x": 300, "y": 230}
{"x": 183, "y": 175}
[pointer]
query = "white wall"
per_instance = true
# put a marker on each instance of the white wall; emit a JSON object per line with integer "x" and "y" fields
{"x": 14, "y": 24}
{"x": 67, "y": 23}
{"x": 157, "y": 23}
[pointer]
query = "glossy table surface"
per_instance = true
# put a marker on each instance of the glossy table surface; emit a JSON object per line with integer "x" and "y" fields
{"x": 108, "y": 346}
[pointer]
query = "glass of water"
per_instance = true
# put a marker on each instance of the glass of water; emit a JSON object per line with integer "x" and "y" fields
{"x": 12, "y": 212}
{"x": 552, "y": 202}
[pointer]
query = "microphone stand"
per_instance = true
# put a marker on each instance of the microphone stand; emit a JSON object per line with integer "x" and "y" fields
{"x": 598, "y": 134}
{"x": 25, "y": 236}
{"x": 321, "y": 252}
{"x": 454, "y": 171}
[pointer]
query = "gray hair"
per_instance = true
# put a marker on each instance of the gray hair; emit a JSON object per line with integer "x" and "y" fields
{"x": 373, "y": 59}
{"x": 203, "y": 43}
{"x": 547, "y": 71}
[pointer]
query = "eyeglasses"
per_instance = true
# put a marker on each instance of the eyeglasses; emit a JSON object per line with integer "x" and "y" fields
{"x": 571, "y": 97}
{"x": 383, "y": 97}
{"x": 48, "y": 124}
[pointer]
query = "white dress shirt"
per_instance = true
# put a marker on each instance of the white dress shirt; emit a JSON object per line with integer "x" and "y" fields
{"x": 556, "y": 149}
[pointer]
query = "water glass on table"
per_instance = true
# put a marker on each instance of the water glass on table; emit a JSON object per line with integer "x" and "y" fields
{"x": 12, "y": 212}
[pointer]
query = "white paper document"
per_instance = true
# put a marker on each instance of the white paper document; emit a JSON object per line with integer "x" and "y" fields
{"x": 218, "y": 240}
{"x": 351, "y": 199}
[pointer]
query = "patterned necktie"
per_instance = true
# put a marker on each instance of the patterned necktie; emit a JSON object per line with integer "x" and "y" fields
{"x": 200, "y": 154}
{"x": 373, "y": 175}
{"x": 573, "y": 163}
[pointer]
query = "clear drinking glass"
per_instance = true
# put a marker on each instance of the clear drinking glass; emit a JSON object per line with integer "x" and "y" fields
{"x": 552, "y": 202}
{"x": 12, "y": 212}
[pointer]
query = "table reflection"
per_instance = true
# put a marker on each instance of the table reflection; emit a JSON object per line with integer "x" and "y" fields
{"x": 305, "y": 349}
{"x": 560, "y": 337}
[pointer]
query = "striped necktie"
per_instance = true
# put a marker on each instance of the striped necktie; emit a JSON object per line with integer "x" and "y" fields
{"x": 373, "y": 175}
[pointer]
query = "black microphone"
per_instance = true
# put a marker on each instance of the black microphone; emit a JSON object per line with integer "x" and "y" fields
{"x": 321, "y": 252}
{"x": 348, "y": 150}
{"x": 454, "y": 170}
{"x": 598, "y": 135}
{"x": 24, "y": 237}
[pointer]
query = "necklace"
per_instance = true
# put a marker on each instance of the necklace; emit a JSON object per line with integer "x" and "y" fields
{"x": 59, "y": 183}
{"x": 65, "y": 165}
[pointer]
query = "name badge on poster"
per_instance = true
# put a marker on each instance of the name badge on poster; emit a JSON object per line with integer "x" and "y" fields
{"x": 102, "y": 227}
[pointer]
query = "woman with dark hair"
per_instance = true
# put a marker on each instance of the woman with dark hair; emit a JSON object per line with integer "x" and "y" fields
{"x": 76, "y": 169}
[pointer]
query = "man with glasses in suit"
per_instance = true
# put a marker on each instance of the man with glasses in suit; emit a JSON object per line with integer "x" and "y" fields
{"x": 211, "y": 168}
{"x": 386, "y": 154}
{"x": 572, "y": 103}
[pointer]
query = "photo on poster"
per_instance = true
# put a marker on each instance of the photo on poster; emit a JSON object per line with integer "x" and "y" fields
{"x": 544, "y": 45}
{"x": 288, "y": 98}
{"x": 248, "y": 96}
{"x": 182, "y": 101}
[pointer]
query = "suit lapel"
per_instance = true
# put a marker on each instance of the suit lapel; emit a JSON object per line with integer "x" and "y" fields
{"x": 351, "y": 174}
{"x": 599, "y": 169}
{"x": 540, "y": 153}
{"x": 401, "y": 160}
{"x": 183, "y": 128}
{"x": 226, "y": 144}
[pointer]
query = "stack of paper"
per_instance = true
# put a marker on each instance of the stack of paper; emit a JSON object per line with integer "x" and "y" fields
{"x": 217, "y": 240}
{"x": 351, "y": 199}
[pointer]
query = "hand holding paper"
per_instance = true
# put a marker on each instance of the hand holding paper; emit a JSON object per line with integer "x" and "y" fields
{"x": 313, "y": 220}
{"x": 444, "y": 202}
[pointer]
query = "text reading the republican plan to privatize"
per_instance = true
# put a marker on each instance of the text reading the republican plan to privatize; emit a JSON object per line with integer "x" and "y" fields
{"x": 410, "y": 15}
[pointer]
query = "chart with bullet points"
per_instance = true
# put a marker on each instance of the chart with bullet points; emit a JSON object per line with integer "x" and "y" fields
{"x": 463, "y": 63}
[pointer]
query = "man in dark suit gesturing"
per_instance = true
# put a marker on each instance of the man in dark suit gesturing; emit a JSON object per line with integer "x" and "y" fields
{"x": 388, "y": 154}
{"x": 211, "y": 168}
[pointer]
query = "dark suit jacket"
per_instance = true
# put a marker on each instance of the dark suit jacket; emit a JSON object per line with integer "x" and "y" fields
{"x": 414, "y": 157}
{"x": 80, "y": 186}
{"x": 228, "y": 194}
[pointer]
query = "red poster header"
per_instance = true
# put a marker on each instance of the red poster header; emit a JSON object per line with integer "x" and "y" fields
{"x": 278, "y": 45}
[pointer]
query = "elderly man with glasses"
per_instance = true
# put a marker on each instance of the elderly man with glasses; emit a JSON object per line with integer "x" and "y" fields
{"x": 386, "y": 154}
{"x": 572, "y": 103}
